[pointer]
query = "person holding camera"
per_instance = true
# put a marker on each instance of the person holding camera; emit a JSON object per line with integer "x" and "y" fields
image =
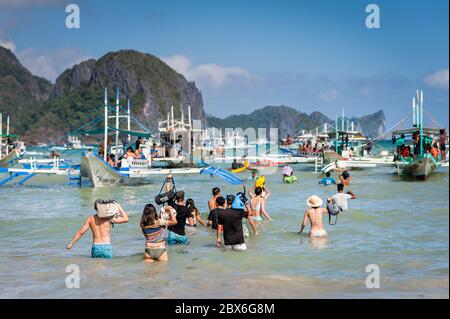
{"x": 153, "y": 227}
{"x": 177, "y": 232}
{"x": 230, "y": 224}
{"x": 108, "y": 213}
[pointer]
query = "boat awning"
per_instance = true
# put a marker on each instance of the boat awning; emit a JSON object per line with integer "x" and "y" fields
{"x": 425, "y": 130}
{"x": 112, "y": 130}
{"x": 8, "y": 135}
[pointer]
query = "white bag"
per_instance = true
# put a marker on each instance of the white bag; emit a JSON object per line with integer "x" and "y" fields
{"x": 106, "y": 208}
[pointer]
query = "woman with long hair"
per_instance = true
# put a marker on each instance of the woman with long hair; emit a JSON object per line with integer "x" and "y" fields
{"x": 153, "y": 229}
{"x": 192, "y": 222}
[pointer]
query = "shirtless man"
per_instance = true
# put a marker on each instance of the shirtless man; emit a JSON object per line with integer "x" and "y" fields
{"x": 258, "y": 203}
{"x": 100, "y": 227}
{"x": 314, "y": 213}
{"x": 212, "y": 202}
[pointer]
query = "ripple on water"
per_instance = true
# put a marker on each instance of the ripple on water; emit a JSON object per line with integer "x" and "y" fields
{"x": 401, "y": 226}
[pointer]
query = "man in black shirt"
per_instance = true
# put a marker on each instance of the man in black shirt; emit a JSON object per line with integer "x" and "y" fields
{"x": 214, "y": 214}
{"x": 230, "y": 223}
{"x": 177, "y": 234}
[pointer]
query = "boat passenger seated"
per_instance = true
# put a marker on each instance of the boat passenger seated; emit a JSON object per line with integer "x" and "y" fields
{"x": 434, "y": 150}
{"x": 111, "y": 159}
{"x": 236, "y": 165}
{"x": 130, "y": 152}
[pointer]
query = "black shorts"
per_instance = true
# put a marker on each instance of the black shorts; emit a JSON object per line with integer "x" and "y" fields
{"x": 442, "y": 147}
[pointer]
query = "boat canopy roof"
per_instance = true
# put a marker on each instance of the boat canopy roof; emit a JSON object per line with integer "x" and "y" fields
{"x": 410, "y": 131}
{"x": 8, "y": 135}
{"x": 354, "y": 134}
{"x": 112, "y": 130}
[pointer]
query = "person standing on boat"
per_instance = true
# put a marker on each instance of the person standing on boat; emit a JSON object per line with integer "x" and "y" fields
{"x": 138, "y": 143}
{"x": 442, "y": 143}
{"x": 101, "y": 228}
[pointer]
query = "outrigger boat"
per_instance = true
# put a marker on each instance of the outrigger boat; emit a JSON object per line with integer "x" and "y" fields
{"x": 412, "y": 157}
{"x": 174, "y": 141}
{"x": 10, "y": 150}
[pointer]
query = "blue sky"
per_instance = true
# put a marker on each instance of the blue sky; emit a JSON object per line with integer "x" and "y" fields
{"x": 311, "y": 55}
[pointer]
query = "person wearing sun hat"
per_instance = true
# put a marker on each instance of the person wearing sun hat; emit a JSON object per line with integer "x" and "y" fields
{"x": 314, "y": 214}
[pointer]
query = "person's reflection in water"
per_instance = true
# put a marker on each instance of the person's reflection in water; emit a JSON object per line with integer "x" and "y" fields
{"x": 318, "y": 242}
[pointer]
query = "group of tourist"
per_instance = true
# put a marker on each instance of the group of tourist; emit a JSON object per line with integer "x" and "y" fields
{"x": 437, "y": 149}
{"x": 129, "y": 155}
{"x": 170, "y": 224}
{"x": 315, "y": 211}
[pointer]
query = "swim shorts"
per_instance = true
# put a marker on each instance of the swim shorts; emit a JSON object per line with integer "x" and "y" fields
{"x": 102, "y": 251}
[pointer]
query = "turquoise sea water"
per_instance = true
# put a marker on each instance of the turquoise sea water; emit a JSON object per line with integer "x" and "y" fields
{"x": 402, "y": 226}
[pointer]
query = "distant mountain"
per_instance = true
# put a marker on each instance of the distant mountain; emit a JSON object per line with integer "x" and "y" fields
{"x": 290, "y": 121}
{"x": 22, "y": 95}
{"x": 77, "y": 96}
{"x": 42, "y": 112}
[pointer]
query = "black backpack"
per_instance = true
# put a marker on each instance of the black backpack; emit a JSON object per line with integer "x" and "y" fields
{"x": 163, "y": 198}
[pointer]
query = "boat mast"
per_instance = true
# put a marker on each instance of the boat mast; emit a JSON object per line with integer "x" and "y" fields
{"x": 129, "y": 119}
{"x": 337, "y": 136}
{"x": 190, "y": 128}
{"x": 105, "y": 138}
{"x": 414, "y": 111}
{"x": 7, "y": 125}
{"x": 421, "y": 123}
{"x": 117, "y": 123}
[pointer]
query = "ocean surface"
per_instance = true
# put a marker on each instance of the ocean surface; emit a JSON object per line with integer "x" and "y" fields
{"x": 401, "y": 226}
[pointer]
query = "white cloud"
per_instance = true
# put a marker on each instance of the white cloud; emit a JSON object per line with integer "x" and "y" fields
{"x": 50, "y": 64}
{"x": 438, "y": 79}
{"x": 330, "y": 95}
{"x": 8, "y": 44}
{"x": 206, "y": 74}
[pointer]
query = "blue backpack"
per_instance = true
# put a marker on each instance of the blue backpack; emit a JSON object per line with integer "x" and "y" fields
{"x": 238, "y": 203}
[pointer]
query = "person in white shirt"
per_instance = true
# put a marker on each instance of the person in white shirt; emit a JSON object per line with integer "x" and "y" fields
{"x": 342, "y": 198}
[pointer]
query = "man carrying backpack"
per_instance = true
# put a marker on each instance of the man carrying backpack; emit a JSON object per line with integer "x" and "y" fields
{"x": 341, "y": 198}
{"x": 230, "y": 224}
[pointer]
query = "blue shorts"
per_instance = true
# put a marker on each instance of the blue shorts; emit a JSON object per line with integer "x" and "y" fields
{"x": 174, "y": 238}
{"x": 102, "y": 251}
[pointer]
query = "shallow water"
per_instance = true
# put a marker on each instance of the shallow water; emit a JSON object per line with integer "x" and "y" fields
{"x": 402, "y": 226}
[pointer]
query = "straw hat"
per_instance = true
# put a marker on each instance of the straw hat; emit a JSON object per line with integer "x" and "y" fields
{"x": 314, "y": 201}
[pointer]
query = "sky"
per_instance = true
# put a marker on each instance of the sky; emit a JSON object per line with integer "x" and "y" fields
{"x": 246, "y": 54}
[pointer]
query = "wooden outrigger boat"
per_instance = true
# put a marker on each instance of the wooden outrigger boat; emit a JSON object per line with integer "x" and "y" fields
{"x": 417, "y": 163}
{"x": 139, "y": 171}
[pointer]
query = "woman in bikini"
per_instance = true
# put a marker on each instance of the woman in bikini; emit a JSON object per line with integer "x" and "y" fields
{"x": 314, "y": 213}
{"x": 258, "y": 203}
{"x": 192, "y": 221}
{"x": 153, "y": 230}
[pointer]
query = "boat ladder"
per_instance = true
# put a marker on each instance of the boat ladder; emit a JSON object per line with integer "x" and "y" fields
{"x": 73, "y": 177}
